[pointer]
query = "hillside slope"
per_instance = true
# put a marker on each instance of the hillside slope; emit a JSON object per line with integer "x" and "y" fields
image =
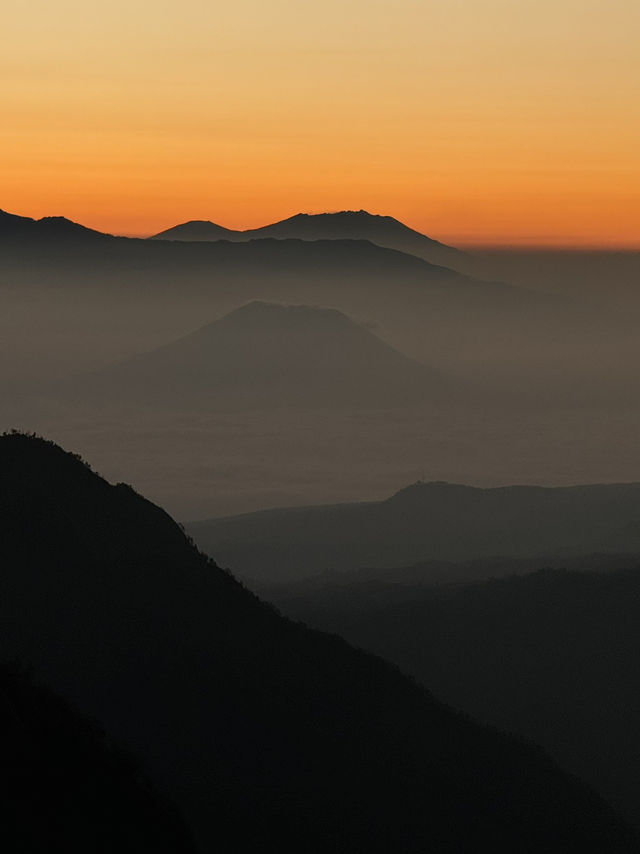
{"x": 552, "y": 655}
{"x": 66, "y": 787}
{"x": 258, "y": 728}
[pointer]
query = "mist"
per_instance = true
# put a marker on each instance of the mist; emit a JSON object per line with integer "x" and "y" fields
{"x": 533, "y": 382}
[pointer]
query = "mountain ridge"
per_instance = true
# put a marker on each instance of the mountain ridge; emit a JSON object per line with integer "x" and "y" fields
{"x": 428, "y": 521}
{"x": 382, "y": 230}
{"x": 13, "y": 226}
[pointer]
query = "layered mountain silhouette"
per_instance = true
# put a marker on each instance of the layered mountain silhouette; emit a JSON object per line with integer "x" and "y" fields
{"x": 342, "y": 225}
{"x": 551, "y": 655}
{"x": 264, "y": 733}
{"x": 49, "y": 228}
{"x": 427, "y": 521}
{"x": 390, "y": 584}
{"x": 428, "y": 311}
{"x": 271, "y": 355}
{"x": 67, "y": 787}
{"x": 272, "y": 268}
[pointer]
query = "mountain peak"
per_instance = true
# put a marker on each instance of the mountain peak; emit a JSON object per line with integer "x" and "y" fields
{"x": 28, "y": 452}
{"x": 267, "y": 354}
{"x": 279, "y": 316}
{"x": 346, "y": 213}
{"x": 196, "y": 230}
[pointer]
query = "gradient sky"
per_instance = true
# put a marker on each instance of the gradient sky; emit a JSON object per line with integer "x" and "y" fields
{"x": 476, "y": 121}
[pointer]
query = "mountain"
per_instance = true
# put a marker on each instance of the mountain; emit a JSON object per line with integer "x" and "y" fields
{"x": 141, "y": 293}
{"x": 427, "y": 521}
{"x": 50, "y": 228}
{"x": 346, "y": 270}
{"x": 552, "y": 656}
{"x": 197, "y": 229}
{"x": 342, "y": 225}
{"x": 66, "y": 787}
{"x": 256, "y": 727}
{"x": 270, "y": 355}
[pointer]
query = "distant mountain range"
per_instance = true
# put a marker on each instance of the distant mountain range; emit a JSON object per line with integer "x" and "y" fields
{"x": 383, "y": 231}
{"x": 427, "y": 521}
{"x": 259, "y": 729}
{"x": 266, "y": 355}
{"x": 481, "y": 330}
{"x": 70, "y": 250}
{"x": 343, "y": 225}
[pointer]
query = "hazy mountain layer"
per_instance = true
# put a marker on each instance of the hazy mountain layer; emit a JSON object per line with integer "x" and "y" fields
{"x": 259, "y": 728}
{"x": 386, "y": 585}
{"x": 427, "y": 521}
{"x": 551, "y": 655}
{"x": 67, "y": 304}
{"x": 266, "y": 355}
{"x": 93, "y": 299}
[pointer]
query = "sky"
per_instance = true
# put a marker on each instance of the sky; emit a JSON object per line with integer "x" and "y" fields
{"x": 476, "y": 121}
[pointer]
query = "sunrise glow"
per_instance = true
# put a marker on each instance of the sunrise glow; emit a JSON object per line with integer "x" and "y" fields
{"x": 477, "y": 122}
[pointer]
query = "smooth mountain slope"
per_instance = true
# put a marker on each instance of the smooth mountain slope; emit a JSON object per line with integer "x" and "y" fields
{"x": 427, "y": 521}
{"x": 197, "y": 229}
{"x": 271, "y": 355}
{"x": 552, "y": 655}
{"x": 66, "y": 787}
{"x": 341, "y": 225}
{"x": 264, "y": 733}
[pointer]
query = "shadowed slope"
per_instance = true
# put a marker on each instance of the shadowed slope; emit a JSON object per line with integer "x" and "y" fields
{"x": 552, "y": 655}
{"x": 65, "y": 787}
{"x": 261, "y": 730}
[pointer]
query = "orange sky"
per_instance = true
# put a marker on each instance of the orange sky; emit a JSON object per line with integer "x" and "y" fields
{"x": 475, "y": 121}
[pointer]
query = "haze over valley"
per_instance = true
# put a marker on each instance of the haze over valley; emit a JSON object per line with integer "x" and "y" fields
{"x": 513, "y": 388}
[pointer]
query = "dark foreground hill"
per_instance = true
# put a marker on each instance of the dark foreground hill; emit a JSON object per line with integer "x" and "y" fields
{"x": 266, "y": 734}
{"x": 427, "y": 521}
{"x": 552, "y": 656}
{"x": 266, "y": 355}
{"x": 341, "y": 225}
{"x": 65, "y": 787}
